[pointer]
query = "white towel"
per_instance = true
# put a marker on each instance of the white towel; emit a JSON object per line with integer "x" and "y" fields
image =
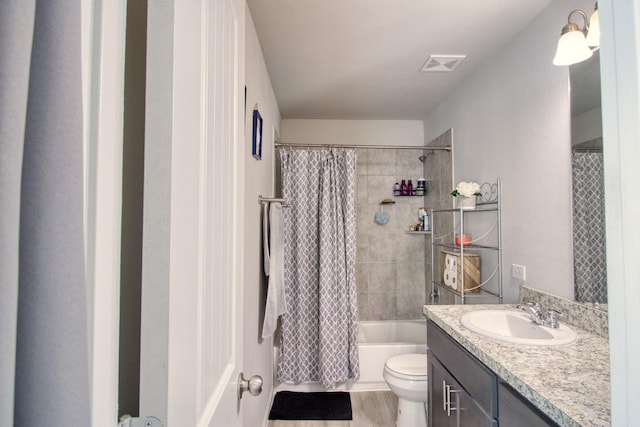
{"x": 265, "y": 238}
{"x": 276, "y": 304}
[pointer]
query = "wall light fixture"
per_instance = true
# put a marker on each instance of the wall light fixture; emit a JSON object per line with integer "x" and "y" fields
{"x": 573, "y": 46}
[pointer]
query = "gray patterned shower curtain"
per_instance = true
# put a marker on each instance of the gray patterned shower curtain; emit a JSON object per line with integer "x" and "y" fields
{"x": 589, "y": 243}
{"x": 319, "y": 331}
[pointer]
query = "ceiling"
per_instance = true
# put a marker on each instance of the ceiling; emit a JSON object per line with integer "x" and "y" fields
{"x": 361, "y": 59}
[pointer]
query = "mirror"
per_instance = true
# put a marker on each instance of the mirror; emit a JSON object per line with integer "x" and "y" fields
{"x": 589, "y": 252}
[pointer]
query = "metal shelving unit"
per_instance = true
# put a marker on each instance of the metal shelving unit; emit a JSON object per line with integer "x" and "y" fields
{"x": 488, "y": 204}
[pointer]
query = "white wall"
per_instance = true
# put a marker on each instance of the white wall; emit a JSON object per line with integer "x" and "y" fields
{"x": 358, "y": 132}
{"x": 258, "y": 354}
{"x": 587, "y": 126}
{"x": 511, "y": 120}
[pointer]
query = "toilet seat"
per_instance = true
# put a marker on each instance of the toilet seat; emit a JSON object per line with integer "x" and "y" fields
{"x": 408, "y": 366}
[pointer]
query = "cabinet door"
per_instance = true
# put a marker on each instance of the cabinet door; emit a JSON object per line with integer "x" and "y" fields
{"x": 450, "y": 404}
{"x": 437, "y": 413}
{"x": 514, "y": 411}
{"x": 470, "y": 414}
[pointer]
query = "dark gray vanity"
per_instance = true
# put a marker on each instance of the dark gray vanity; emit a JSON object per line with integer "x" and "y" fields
{"x": 464, "y": 392}
{"x": 478, "y": 381}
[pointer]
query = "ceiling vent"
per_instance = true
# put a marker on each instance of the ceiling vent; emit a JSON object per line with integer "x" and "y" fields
{"x": 443, "y": 63}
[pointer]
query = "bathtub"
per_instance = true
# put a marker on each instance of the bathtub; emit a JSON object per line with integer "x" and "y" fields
{"x": 377, "y": 341}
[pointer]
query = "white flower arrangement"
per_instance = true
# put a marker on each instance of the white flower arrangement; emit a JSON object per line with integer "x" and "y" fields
{"x": 467, "y": 189}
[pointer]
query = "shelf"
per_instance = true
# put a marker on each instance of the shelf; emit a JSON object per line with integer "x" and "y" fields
{"x": 466, "y": 248}
{"x": 417, "y": 232}
{"x": 482, "y": 209}
{"x": 482, "y": 294}
{"x": 489, "y": 201}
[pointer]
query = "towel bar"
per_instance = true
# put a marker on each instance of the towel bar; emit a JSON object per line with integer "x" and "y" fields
{"x": 272, "y": 199}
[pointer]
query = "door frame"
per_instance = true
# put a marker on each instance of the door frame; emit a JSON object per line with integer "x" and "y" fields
{"x": 102, "y": 43}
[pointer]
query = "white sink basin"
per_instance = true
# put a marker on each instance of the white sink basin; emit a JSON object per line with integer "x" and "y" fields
{"x": 515, "y": 327}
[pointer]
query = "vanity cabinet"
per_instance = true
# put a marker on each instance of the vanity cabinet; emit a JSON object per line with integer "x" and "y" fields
{"x": 464, "y": 392}
{"x": 459, "y": 281}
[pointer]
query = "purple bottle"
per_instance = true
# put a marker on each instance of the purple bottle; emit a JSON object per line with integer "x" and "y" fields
{"x": 410, "y": 188}
{"x": 403, "y": 188}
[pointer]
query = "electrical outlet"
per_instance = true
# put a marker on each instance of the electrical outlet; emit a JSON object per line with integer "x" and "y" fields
{"x": 519, "y": 272}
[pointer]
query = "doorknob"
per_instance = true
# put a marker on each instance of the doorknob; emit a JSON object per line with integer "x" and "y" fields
{"x": 253, "y": 385}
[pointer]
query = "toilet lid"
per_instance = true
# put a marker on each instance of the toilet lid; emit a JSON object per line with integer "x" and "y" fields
{"x": 414, "y": 365}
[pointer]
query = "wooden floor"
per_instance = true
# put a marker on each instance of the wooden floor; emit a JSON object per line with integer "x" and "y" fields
{"x": 370, "y": 409}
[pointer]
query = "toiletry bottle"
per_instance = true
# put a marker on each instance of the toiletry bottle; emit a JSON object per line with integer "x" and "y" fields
{"x": 410, "y": 188}
{"x": 396, "y": 189}
{"x": 420, "y": 191}
{"x": 403, "y": 188}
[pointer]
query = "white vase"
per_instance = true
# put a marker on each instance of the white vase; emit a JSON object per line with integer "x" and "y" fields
{"x": 467, "y": 202}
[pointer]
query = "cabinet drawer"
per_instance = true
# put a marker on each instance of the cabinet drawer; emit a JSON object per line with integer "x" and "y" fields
{"x": 478, "y": 381}
{"x": 515, "y": 411}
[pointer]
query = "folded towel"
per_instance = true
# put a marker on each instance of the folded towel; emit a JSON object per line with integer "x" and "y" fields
{"x": 265, "y": 238}
{"x": 276, "y": 304}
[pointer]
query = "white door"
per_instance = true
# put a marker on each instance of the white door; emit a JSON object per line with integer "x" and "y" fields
{"x": 192, "y": 234}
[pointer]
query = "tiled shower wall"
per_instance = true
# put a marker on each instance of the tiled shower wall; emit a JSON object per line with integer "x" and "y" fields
{"x": 439, "y": 173}
{"x": 393, "y": 267}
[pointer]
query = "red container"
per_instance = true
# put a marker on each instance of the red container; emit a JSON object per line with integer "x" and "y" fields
{"x": 466, "y": 241}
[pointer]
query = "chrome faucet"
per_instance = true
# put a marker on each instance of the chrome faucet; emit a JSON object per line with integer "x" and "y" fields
{"x": 538, "y": 317}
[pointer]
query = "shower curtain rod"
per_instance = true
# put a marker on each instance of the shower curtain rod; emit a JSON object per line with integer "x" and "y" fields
{"x": 373, "y": 147}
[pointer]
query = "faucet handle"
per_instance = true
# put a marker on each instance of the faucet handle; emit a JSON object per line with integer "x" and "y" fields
{"x": 552, "y": 315}
{"x": 528, "y": 303}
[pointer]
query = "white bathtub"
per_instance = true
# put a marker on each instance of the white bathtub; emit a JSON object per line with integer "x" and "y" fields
{"x": 377, "y": 341}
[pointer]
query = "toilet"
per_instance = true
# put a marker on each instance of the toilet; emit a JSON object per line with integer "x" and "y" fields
{"x": 406, "y": 376}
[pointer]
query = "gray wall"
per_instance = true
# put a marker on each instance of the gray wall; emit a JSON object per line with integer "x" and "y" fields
{"x": 511, "y": 120}
{"x": 258, "y": 353}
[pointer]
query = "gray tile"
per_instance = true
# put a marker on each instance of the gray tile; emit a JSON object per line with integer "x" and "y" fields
{"x": 363, "y": 306}
{"x": 410, "y": 275}
{"x": 363, "y": 220}
{"x": 383, "y": 247}
{"x": 411, "y": 247}
{"x": 361, "y": 189}
{"x": 382, "y": 277}
{"x": 382, "y": 305}
{"x": 381, "y": 162}
{"x": 362, "y": 167}
{"x": 380, "y": 187}
{"x": 408, "y": 164}
{"x": 362, "y": 247}
{"x": 410, "y": 303}
{"x": 362, "y": 277}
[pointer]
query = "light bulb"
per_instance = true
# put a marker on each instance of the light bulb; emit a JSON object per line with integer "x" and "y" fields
{"x": 572, "y": 48}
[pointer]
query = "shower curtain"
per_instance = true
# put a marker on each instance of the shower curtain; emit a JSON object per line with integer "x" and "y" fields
{"x": 589, "y": 265}
{"x": 319, "y": 331}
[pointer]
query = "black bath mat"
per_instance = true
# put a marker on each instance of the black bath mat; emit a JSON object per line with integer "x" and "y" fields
{"x": 290, "y": 405}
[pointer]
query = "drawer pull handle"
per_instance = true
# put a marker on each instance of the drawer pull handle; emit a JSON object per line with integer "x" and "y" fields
{"x": 445, "y": 389}
{"x": 449, "y": 407}
{"x": 446, "y": 398}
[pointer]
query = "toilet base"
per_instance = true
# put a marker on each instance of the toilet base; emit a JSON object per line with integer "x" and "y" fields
{"x": 411, "y": 414}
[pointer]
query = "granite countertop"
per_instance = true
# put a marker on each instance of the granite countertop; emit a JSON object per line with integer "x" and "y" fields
{"x": 569, "y": 383}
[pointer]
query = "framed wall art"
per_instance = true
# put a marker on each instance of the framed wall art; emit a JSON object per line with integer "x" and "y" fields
{"x": 256, "y": 146}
